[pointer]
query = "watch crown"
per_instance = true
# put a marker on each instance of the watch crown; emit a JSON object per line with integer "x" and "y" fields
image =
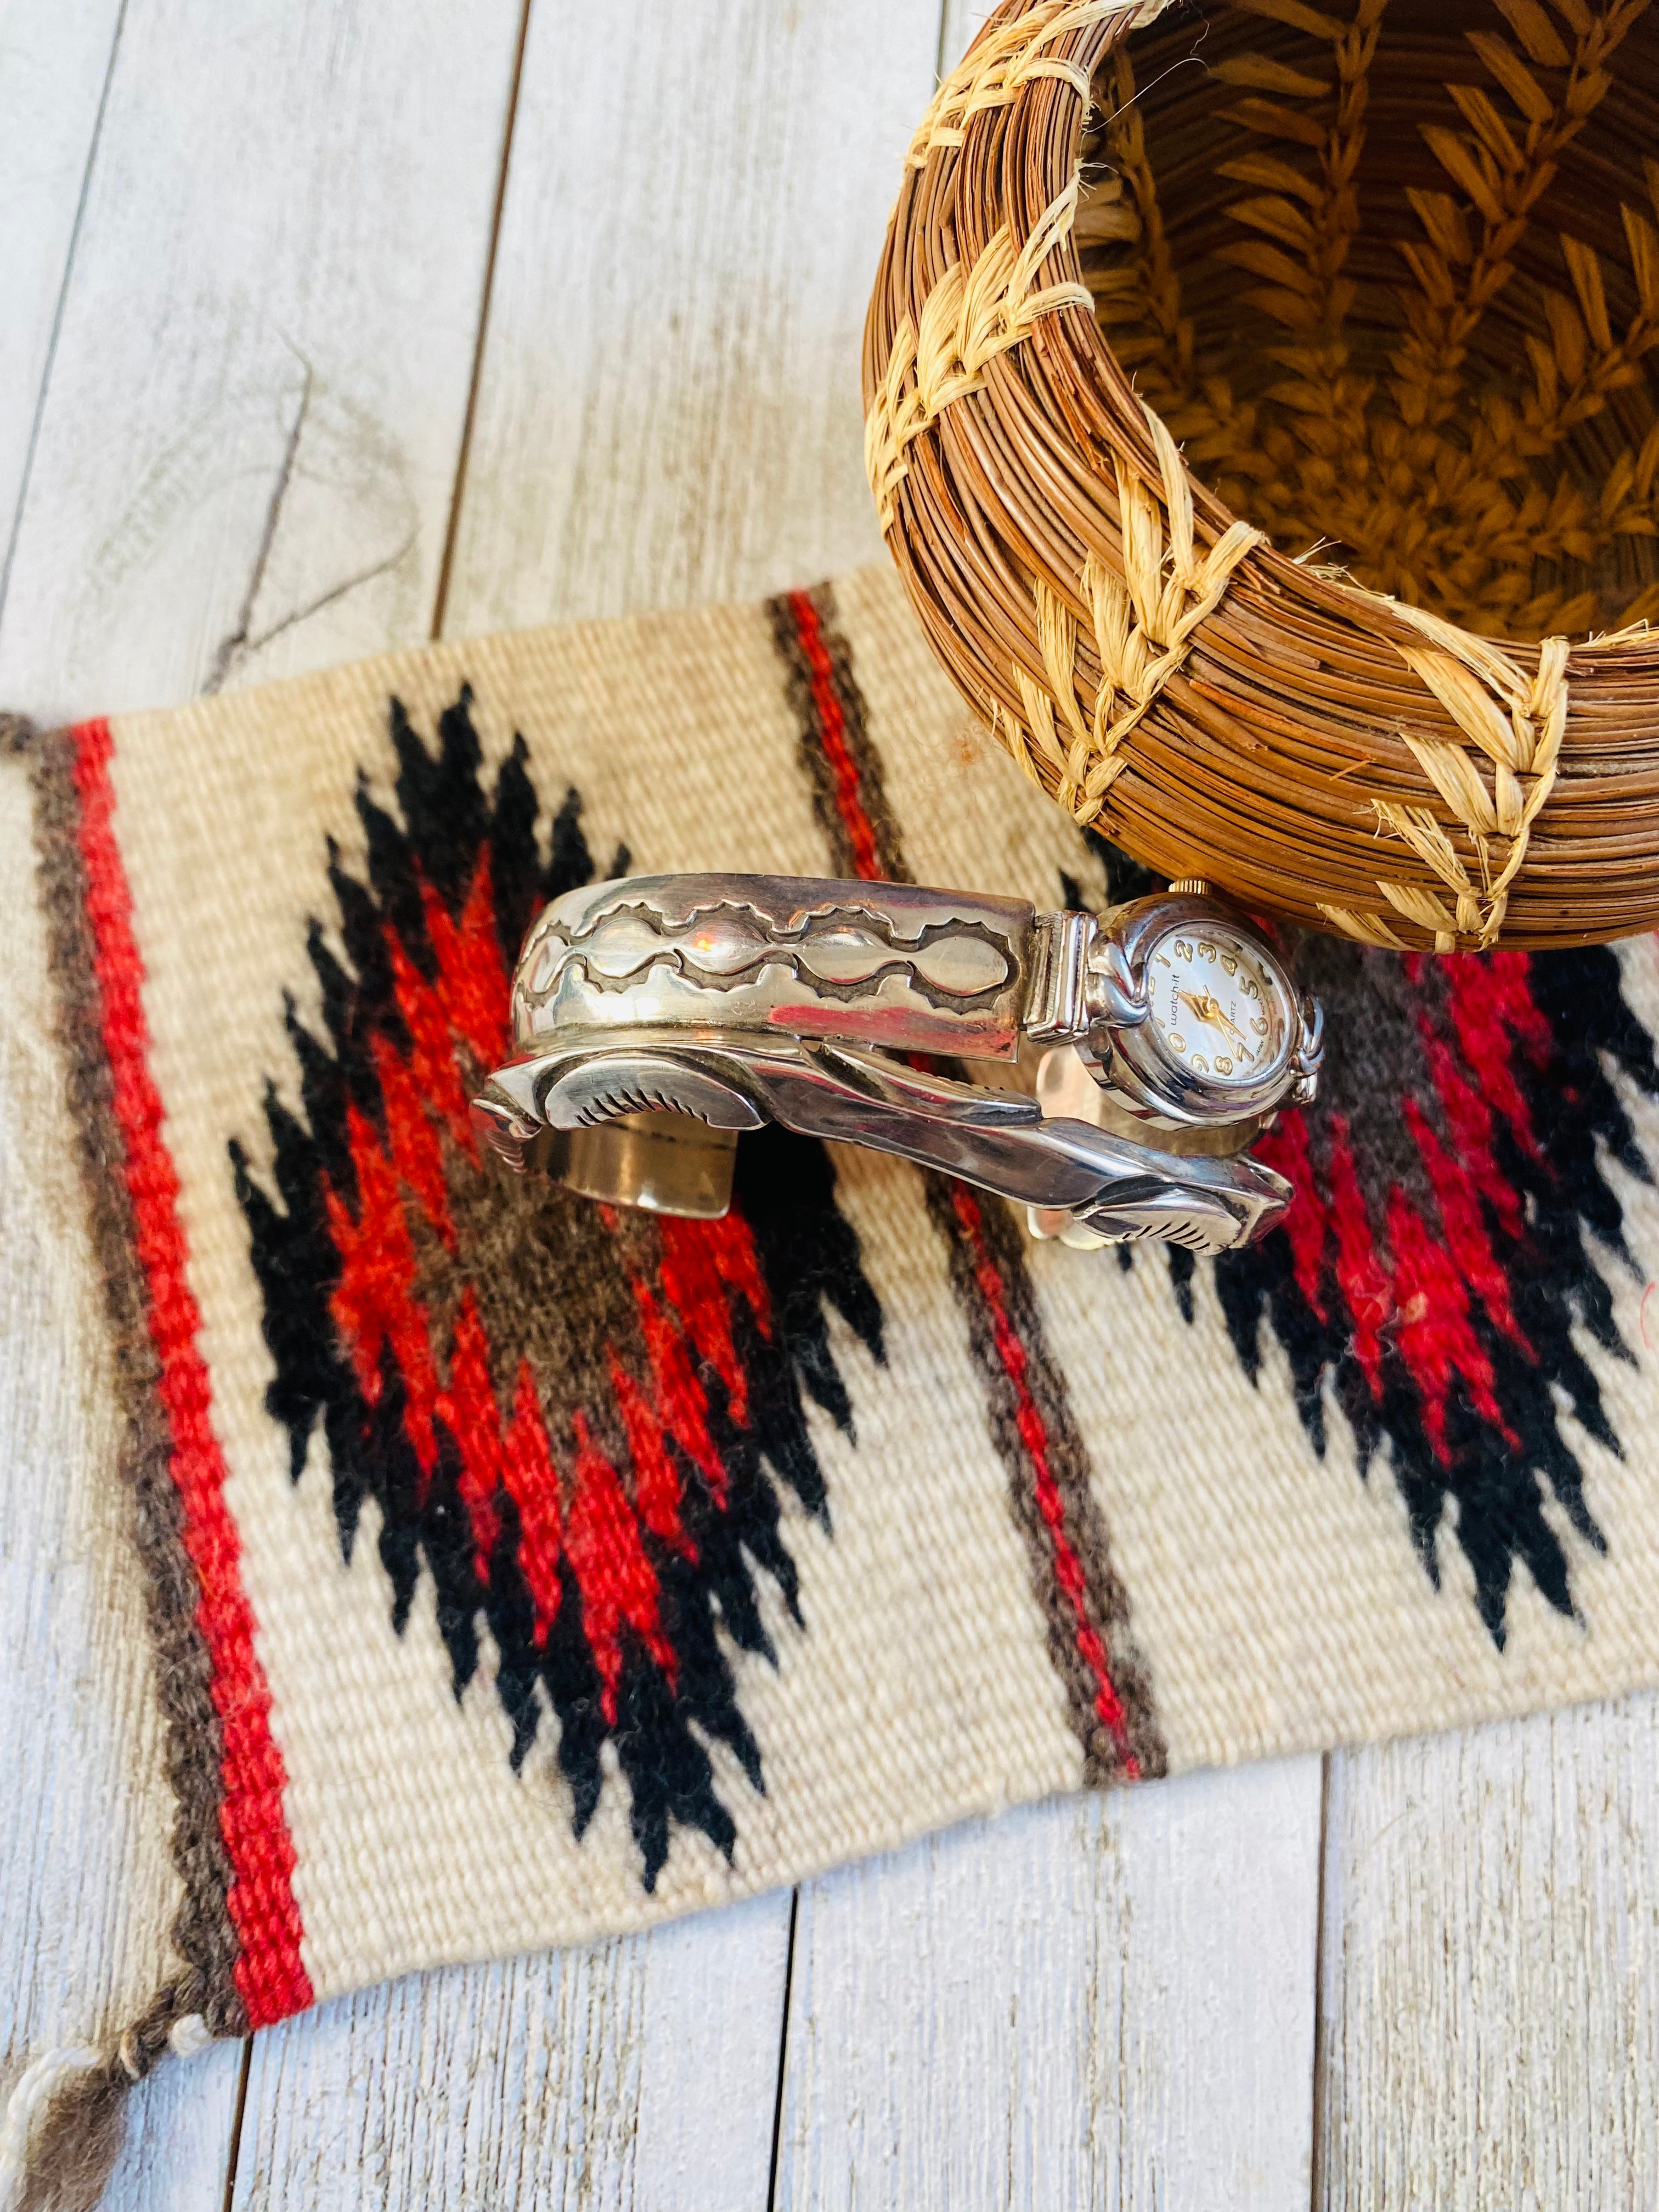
{"x": 1191, "y": 886}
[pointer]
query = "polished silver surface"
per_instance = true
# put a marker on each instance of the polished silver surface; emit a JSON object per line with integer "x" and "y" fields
{"x": 1066, "y": 1087}
{"x": 662, "y": 1162}
{"x": 1056, "y": 1006}
{"x": 886, "y": 964}
{"x": 998, "y": 1140}
{"x": 656, "y": 1017}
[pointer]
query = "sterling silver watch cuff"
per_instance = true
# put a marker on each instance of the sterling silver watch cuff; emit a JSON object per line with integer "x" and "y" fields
{"x": 655, "y": 1018}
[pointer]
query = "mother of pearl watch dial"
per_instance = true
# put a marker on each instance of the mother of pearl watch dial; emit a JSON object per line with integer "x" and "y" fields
{"x": 1220, "y": 1006}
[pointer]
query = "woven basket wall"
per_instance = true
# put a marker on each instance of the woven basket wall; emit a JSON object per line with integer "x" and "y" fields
{"x": 1261, "y": 408}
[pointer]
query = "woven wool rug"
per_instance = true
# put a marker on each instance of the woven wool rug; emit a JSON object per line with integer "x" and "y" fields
{"x": 520, "y": 1571}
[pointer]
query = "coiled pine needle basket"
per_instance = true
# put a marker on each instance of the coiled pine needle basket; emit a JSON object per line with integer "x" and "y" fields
{"x": 1263, "y": 412}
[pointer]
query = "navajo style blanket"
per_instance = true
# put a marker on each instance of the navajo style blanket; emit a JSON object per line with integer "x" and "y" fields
{"x": 520, "y": 1571}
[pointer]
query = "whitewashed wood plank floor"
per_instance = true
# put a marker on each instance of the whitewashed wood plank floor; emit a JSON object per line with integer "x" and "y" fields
{"x": 255, "y": 417}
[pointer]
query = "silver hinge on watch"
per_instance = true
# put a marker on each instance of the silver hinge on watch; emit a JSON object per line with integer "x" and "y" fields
{"x": 1055, "y": 1008}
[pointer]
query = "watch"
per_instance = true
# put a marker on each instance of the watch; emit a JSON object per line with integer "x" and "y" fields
{"x": 1194, "y": 1019}
{"x": 1129, "y": 1058}
{"x": 1179, "y": 1022}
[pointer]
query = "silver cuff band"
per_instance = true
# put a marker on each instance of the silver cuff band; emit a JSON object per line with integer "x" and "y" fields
{"x": 656, "y": 1017}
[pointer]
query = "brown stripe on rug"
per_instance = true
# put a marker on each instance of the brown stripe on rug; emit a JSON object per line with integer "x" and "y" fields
{"x": 1027, "y": 1406}
{"x": 203, "y": 1932}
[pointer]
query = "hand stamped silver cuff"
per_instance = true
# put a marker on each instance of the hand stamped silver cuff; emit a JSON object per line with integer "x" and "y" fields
{"x": 1133, "y": 1054}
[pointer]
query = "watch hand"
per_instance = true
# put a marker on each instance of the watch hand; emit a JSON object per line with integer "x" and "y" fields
{"x": 1206, "y": 1007}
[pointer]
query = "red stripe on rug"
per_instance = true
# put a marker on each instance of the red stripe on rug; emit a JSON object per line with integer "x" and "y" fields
{"x": 1068, "y": 1568}
{"x": 268, "y": 1973}
{"x": 832, "y": 736}
{"x": 1011, "y": 1350}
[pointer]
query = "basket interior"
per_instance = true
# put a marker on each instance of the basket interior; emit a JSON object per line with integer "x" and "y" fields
{"x": 1391, "y": 275}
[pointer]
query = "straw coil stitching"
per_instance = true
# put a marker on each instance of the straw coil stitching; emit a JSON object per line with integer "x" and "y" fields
{"x": 1144, "y": 621}
{"x": 969, "y": 319}
{"x": 1515, "y": 723}
{"x": 998, "y": 68}
{"x": 970, "y": 316}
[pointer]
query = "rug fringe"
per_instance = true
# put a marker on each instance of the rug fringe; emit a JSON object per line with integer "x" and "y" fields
{"x": 65, "y": 2120}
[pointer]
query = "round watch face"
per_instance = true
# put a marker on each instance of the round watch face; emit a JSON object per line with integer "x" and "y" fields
{"x": 1221, "y": 1006}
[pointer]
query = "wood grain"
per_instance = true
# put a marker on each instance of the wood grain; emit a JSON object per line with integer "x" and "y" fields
{"x": 669, "y": 410}
{"x": 1490, "y": 1998}
{"x": 55, "y": 58}
{"x": 636, "y": 2074}
{"x": 1100, "y": 2002}
{"x": 245, "y": 462}
{"x": 1490, "y": 1968}
{"x": 86, "y": 1897}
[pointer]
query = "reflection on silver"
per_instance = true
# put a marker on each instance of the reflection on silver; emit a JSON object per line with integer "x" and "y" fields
{"x": 688, "y": 1008}
{"x": 891, "y": 965}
